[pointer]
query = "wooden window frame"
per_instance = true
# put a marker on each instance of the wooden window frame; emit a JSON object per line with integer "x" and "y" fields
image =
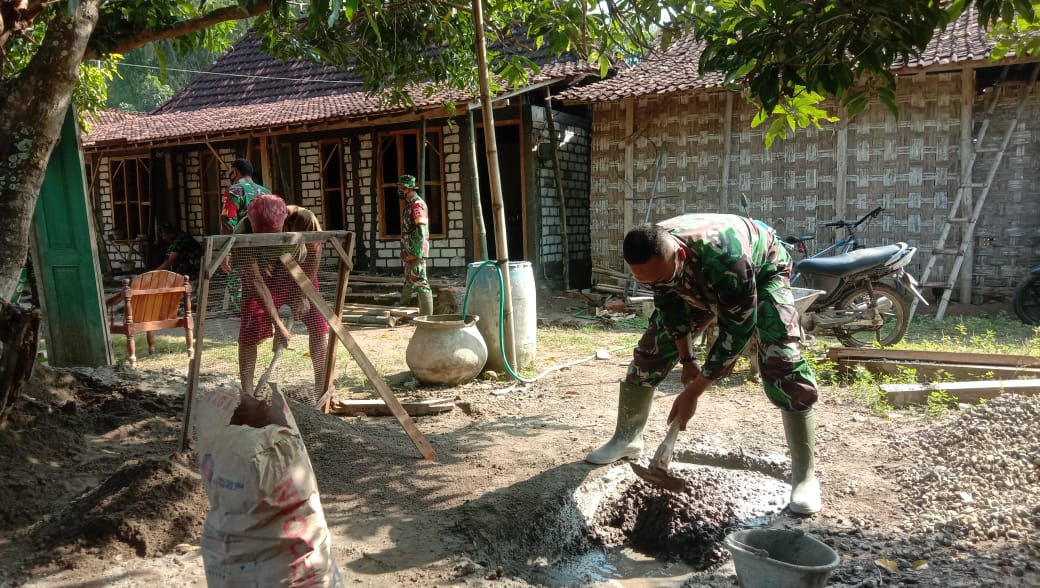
{"x": 333, "y": 196}
{"x": 123, "y": 218}
{"x": 212, "y": 201}
{"x": 434, "y": 180}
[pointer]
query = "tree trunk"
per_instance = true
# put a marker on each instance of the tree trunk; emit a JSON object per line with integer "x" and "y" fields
{"x": 19, "y": 339}
{"x": 34, "y": 104}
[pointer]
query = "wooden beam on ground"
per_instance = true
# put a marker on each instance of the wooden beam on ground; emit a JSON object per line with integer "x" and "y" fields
{"x": 969, "y": 392}
{"x": 933, "y": 364}
{"x": 379, "y": 408}
{"x": 370, "y": 371}
{"x": 934, "y": 370}
{"x": 964, "y": 357}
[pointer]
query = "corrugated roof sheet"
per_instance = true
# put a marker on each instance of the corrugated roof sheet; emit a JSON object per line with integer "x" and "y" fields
{"x": 676, "y": 69}
{"x": 248, "y": 90}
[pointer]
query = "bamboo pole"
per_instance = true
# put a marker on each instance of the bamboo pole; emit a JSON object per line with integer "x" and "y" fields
{"x": 497, "y": 205}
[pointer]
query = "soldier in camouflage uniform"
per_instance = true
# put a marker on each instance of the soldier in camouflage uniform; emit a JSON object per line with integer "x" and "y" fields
{"x": 704, "y": 267}
{"x": 238, "y": 195}
{"x": 415, "y": 245}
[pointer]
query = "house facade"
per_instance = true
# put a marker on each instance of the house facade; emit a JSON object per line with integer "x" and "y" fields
{"x": 668, "y": 141}
{"x": 316, "y": 138}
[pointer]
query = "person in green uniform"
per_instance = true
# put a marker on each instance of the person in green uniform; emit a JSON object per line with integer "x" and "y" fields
{"x": 183, "y": 254}
{"x": 704, "y": 267}
{"x": 238, "y": 195}
{"x": 415, "y": 245}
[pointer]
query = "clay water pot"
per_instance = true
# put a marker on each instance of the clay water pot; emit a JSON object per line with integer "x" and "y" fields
{"x": 446, "y": 349}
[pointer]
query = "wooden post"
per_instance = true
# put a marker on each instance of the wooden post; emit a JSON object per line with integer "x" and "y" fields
{"x": 841, "y": 167}
{"x": 345, "y": 251}
{"x": 370, "y": 371}
{"x": 560, "y": 193}
{"x": 967, "y": 198}
{"x": 480, "y": 247}
{"x": 628, "y": 202}
{"x": 422, "y": 155}
{"x": 355, "y": 188}
{"x": 727, "y": 152}
{"x": 209, "y": 266}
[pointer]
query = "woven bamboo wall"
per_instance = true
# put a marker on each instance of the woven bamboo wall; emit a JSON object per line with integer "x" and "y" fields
{"x": 910, "y": 165}
{"x": 1009, "y": 226}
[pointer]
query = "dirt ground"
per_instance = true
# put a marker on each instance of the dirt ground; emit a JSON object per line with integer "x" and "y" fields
{"x": 96, "y": 495}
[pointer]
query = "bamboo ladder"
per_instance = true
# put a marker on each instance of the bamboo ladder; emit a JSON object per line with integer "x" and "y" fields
{"x": 966, "y": 184}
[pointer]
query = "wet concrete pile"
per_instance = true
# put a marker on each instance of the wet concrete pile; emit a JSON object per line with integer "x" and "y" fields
{"x": 687, "y": 526}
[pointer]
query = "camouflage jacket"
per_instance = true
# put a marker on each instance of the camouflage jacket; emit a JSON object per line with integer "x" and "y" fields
{"x": 415, "y": 229}
{"x": 730, "y": 260}
{"x": 236, "y": 200}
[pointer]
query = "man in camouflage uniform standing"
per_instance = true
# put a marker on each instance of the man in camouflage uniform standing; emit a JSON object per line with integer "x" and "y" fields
{"x": 415, "y": 245}
{"x": 238, "y": 195}
{"x": 702, "y": 267}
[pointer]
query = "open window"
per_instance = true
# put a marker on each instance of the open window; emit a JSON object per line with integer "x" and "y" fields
{"x": 131, "y": 202}
{"x": 399, "y": 154}
{"x": 333, "y": 184}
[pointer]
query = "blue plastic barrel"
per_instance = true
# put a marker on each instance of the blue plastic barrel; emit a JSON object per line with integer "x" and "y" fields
{"x": 484, "y": 300}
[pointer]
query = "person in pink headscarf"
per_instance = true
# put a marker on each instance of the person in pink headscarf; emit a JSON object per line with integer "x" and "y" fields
{"x": 267, "y": 286}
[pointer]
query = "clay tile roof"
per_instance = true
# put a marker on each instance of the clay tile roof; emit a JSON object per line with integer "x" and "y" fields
{"x": 962, "y": 41}
{"x": 673, "y": 70}
{"x": 676, "y": 69}
{"x": 247, "y": 89}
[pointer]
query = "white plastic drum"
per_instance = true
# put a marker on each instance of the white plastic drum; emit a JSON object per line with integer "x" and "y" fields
{"x": 484, "y": 299}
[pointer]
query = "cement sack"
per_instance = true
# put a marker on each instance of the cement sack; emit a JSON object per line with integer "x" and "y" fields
{"x": 265, "y": 525}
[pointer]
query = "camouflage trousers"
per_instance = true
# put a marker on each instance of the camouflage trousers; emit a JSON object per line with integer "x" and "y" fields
{"x": 415, "y": 275}
{"x": 787, "y": 377}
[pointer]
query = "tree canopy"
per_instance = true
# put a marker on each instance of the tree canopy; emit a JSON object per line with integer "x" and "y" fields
{"x": 785, "y": 55}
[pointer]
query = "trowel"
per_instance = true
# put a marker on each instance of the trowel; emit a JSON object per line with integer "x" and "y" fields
{"x": 657, "y": 473}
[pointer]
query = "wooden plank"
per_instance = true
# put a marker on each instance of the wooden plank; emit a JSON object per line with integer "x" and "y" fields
{"x": 370, "y": 371}
{"x": 379, "y": 408}
{"x": 932, "y": 370}
{"x": 272, "y": 239}
{"x": 991, "y": 359}
{"x": 346, "y": 266}
{"x": 969, "y": 392}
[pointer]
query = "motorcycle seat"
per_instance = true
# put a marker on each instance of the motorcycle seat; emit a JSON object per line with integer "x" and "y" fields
{"x": 839, "y": 266}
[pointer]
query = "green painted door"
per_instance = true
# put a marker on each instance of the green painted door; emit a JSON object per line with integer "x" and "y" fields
{"x": 68, "y": 276}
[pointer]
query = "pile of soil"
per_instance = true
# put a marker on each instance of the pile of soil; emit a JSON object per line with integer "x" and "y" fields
{"x": 63, "y": 504}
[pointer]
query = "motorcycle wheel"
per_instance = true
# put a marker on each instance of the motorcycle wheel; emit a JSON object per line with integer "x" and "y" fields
{"x": 896, "y": 319}
{"x": 1027, "y": 300}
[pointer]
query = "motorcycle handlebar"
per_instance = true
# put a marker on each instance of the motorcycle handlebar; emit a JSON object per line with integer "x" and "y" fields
{"x": 851, "y": 225}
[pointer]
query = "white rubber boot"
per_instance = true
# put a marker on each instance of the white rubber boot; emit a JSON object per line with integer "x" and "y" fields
{"x": 633, "y": 409}
{"x": 800, "y": 430}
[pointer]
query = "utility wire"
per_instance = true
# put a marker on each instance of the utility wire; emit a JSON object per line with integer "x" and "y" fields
{"x": 231, "y": 75}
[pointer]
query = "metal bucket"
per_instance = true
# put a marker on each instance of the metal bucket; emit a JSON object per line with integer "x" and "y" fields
{"x": 804, "y": 297}
{"x": 780, "y": 558}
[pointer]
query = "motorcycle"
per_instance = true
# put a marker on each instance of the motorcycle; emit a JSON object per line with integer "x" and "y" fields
{"x": 1027, "y": 298}
{"x": 861, "y": 297}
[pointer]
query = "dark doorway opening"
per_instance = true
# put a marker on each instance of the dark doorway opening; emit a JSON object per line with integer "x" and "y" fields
{"x": 511, "y": 172}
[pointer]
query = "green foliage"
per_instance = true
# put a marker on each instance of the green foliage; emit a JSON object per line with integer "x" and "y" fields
{"x": 776, "y": 50}
{"x": 91, "y": 92}
{"x": 939, "y": 403}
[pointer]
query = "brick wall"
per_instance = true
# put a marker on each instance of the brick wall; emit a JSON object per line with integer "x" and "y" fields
{"x": 573, "y": 137}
